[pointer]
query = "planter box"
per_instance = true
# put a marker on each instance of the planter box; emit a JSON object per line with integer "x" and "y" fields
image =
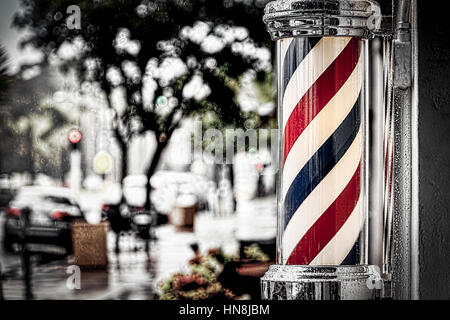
{"x": 183, "y": 214}
{"x": 89, "y": 245}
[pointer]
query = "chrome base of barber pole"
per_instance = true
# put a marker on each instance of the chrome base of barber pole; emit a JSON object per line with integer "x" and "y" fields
{"x": 288, "y": 282}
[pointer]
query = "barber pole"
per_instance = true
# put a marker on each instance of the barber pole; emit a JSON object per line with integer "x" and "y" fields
{"x": 325, "y": 193}
{"x": 322, "y": 144}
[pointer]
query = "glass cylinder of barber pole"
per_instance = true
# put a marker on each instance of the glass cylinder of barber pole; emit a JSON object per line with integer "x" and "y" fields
{"x": 322, "y": 63}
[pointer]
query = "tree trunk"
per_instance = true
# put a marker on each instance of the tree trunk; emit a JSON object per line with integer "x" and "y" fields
{"x": 123, "y": 168}
{"x": 231, "y": 173}
{"x": 151, "y": 170}
{"x": 31, "y": 157}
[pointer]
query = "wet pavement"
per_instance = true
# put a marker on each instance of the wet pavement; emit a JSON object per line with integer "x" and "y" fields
{"x": 132, "y": 274}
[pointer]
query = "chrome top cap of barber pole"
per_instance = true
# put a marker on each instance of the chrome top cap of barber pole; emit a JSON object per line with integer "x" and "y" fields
{"x": 309, "y": 18}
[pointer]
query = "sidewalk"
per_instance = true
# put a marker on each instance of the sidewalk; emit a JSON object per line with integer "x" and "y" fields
{"x": 50, "y": 281}
{"x": 132, "y": 274}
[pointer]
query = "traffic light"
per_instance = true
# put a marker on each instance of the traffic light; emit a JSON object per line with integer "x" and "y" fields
{"x": 74, "y": 138}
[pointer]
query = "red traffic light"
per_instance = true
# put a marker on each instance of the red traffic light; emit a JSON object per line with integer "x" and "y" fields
{"x": 74, "y": 136}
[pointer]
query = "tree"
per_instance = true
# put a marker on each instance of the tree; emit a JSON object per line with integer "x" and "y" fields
{"x": 30, "y": 125}
{"x": 153, "y": 52}
{"x": 5, "y": 81}
{"x": 21, "y": 111}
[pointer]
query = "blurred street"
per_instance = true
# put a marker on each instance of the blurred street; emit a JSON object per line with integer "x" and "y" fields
{"x": 139, "y": 155}
{"x": 133, "y": 273}
{"x": 130, "y": 274}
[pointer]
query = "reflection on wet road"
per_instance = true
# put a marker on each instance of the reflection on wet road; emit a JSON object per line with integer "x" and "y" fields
{"x": 130, "y": 274}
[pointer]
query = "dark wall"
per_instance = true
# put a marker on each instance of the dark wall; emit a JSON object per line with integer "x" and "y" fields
{"x": 434, "y": 154}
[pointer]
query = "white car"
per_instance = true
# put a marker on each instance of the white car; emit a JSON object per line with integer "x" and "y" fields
{"x": 51, "y": 212}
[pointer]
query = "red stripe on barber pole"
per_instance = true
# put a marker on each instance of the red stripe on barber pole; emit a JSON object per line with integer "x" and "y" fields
{"x": 319, "y": 124}
{"x": 329, "y": 223}
{"x": 320, "y": 93}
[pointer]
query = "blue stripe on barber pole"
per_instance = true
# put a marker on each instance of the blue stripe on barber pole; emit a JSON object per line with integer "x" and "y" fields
{"x": 321, "y": 158}
{"x": 297, "y": 51}
{"x": 322, "y": 162}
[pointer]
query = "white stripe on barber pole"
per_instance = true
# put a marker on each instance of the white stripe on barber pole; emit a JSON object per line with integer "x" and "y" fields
{"x": 321, "y": 197}
{"x": 310, "y": 69}
{"x": 337, "y": 249}
{"x": 321, "y": 128}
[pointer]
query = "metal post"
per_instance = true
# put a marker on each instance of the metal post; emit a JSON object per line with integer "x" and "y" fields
{"x": 415, "y": 159}
{"x": 75, "y": 171}
{"x": 405, "y": 206}
{"x": 26, "y": 265}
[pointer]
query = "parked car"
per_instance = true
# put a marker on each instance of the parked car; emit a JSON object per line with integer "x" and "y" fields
{"x": 50, "y": 210}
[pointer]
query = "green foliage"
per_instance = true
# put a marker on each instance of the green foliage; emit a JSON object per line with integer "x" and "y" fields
{"x": 201, "y": 282}
{"x": 21, "y": 111}
{"x": 155, "y": 28}
{"x": 149, "y": 23}
{"x": 264, "y": 85}
{"x": 255, "y": 253}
